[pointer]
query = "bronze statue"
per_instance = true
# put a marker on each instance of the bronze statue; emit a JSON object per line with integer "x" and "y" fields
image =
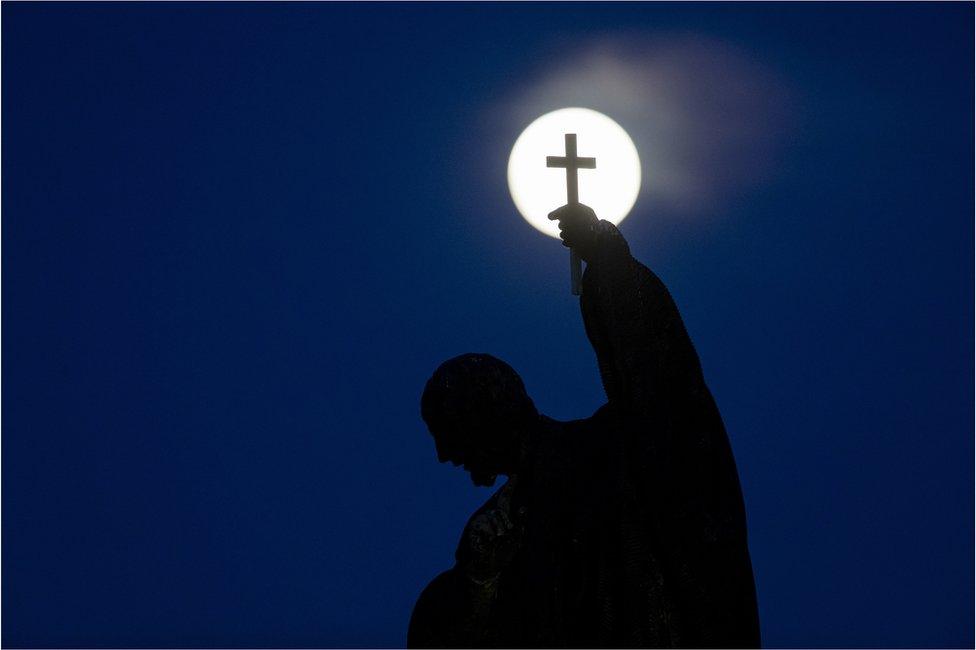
{"x": 624, "y": 529}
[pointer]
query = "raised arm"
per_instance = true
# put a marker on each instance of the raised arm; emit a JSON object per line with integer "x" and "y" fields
{"x": 642, "y": 348}
{"x": 673, "y": 438}
{"x": 654, "y": 382}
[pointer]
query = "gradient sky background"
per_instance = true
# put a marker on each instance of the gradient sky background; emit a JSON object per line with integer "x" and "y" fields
{"x": 237, "y": 239}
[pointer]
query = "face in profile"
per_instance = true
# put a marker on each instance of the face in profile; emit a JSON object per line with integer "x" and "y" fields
{"x": 475, "y": 406}
{"x": 481, "y": 461}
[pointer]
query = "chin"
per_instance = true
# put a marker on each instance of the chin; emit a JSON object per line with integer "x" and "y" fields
{"x": 483, "y": 480}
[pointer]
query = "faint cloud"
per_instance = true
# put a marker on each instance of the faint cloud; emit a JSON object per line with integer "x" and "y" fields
{"x": 706, "y": 119}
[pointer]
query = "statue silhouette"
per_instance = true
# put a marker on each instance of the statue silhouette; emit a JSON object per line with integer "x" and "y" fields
{"x": 624, "y": 529}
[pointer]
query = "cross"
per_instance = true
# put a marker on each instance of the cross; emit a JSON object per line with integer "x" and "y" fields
{"x": 572, "y": 163}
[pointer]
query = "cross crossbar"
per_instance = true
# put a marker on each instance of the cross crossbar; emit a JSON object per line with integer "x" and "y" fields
{"x": 571, "y": 162}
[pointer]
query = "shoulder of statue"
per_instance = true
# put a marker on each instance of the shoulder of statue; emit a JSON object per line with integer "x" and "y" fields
{"x": 611, "y": 243}
{"x": 609, "y": 262}
{"x": 608, "y": 255}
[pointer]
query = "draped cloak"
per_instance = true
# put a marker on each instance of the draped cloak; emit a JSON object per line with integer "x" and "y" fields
{"x": 633, "y": 532}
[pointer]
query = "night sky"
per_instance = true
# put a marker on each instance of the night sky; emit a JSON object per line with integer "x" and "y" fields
{"x": 237, "y": 239}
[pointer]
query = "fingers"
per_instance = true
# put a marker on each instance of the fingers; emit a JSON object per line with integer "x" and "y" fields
{"x": 482, "y": 526}
{"x": 489, "y": 528}
{"x": 499, "y": 522}
{"x": 495, "y": 526}
{"x": 573, "y": 212}
{"x": 504, "y": 520}
{"x": 576, "y": 223}
{"x": 505, "y": 494}
{"x": 492, "y": 524}
{"x": 571, "y": 235}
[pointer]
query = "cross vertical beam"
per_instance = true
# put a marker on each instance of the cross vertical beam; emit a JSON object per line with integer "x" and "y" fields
{"x": 572, "y": 163}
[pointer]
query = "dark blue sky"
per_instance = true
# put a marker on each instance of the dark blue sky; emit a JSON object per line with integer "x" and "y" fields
{"x": 238, "y": 238}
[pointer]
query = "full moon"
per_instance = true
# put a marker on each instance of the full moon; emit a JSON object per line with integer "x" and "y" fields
{"x": 610, "y": 189}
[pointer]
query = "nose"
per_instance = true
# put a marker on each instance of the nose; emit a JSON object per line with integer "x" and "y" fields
{"x": 445, "y": 456}
{"x": 443, "y": 452}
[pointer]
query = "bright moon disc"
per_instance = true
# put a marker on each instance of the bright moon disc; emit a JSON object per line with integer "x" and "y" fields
{"x": 610, "y": 189}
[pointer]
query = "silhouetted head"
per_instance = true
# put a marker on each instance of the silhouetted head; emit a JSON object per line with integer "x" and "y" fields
{"x": 477, "y": 409}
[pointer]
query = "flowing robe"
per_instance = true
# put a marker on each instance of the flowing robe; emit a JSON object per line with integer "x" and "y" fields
{"x": 633, "y": 531}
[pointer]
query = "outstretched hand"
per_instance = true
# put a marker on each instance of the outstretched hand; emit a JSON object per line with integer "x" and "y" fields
{"x": 577, "y": 228}
{"x": 493, "y": 537}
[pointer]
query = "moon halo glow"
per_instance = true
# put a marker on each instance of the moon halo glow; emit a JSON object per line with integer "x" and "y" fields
{"x": 611, "y": 189}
